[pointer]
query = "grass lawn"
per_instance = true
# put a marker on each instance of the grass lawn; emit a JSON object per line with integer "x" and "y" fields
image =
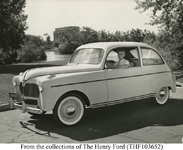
{"x": 5, "y": 87}
{"x": 7, "y": 72}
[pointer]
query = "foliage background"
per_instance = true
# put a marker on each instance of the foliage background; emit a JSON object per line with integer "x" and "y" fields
{"x": 170, "y": 46}
{"x": 15, "y": 46}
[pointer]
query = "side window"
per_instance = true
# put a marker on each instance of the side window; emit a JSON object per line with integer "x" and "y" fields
{"x": 151, "y": 57}
{"x": 133, "y": 57}
{"x": 123, "y": 56}
{"x": 111, "y": 59}
{"x": 112, "y": 56}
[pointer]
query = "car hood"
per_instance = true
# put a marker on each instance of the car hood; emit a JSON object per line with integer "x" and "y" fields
{"x": 58, "y": 70}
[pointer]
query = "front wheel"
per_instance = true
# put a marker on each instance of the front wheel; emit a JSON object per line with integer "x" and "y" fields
{"x": 162, "y": 96}
{"x": 69, "y": 109}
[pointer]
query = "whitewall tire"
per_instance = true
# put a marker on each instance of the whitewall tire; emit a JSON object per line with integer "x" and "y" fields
{"x": 162, "y": 96}
{"x": 69, "y": 109}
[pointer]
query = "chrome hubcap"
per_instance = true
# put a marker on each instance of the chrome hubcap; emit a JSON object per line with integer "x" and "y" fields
{"x": 70, "y": 110}
{"x": 162, "y": 93}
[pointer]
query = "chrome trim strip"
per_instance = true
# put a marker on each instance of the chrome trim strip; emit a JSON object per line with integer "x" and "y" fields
{"x": 99, "y": 105}
{"x": 122, "y": 100}
{"x": 109, "y": 79}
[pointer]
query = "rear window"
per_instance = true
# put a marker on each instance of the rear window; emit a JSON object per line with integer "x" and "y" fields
{"x": 151, "y": 57}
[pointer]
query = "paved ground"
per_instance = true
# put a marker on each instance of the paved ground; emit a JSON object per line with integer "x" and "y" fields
{"x": 134, "y": 122}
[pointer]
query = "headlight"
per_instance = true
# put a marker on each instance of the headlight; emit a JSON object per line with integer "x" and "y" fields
{"x": 40, "y": 86}
{"x": 21, "y": 73}
{"x": 14, "y": 82}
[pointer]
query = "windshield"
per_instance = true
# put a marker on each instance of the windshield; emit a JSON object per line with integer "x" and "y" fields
{"x": 87, "y": 56}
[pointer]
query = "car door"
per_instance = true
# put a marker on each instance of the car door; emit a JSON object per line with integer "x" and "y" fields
{"x": 124, "y": 84}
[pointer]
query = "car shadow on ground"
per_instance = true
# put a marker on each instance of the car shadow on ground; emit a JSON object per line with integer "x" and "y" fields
{"x": 113, "y": 120}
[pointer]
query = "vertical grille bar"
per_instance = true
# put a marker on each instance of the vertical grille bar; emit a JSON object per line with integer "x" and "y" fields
{"x": 21, "y": 88}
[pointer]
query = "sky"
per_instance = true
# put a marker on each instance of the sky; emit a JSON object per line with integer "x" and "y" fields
{"x": 109, "y": 15}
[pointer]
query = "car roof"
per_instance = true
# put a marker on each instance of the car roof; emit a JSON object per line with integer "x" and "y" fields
{"x": 107, "y": 45}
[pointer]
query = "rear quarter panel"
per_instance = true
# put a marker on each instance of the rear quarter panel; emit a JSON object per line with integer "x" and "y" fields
{"x": 157, "y": 76}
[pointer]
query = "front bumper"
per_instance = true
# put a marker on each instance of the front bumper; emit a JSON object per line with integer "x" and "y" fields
{"x": 22, "y": 106}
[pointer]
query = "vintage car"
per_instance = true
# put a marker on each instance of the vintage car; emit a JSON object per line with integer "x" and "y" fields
{"x": 89, "y": 80}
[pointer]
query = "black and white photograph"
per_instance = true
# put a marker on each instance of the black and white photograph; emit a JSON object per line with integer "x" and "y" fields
{"x": 91, "y": 74}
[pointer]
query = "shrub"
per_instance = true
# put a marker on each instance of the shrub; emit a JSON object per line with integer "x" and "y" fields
{"x": 170, "y": 59}
{"x": 30, "y": 53}
{"x": 41, "y": 55}
{"x": 7, "y": 57}
{"x": 67, "y": 48}
{"x": 62, "y": 48}
{"x": 56, "y": 44}
{"x": 170, "y": 46}
{"x": 4, "y": 57}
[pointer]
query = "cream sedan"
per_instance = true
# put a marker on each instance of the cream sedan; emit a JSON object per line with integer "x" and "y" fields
{"x": 91, "y": 80}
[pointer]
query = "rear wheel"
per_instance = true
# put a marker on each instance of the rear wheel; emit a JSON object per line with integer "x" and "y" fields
{"x": 69, "y": 110}
{"x": 162, "y": 96}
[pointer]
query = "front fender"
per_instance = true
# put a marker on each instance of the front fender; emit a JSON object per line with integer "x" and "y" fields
{"x": 87, "y": 83}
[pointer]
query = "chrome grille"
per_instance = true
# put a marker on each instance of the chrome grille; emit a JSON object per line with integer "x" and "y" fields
{"x": 31, "y": 90}
{"x": 30, "y": 101}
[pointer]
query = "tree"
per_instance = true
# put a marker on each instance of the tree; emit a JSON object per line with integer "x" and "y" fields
{"x": 12, "y": 24}
{"x": 69, "y": 34}
{"x": 150, "y": 38}
{"x": 32, "y": 50}
{"x": 103, "y": 36}
{"x": 69, "y": 39}
{"x": 87, "y": 35}
{"x": 119, "y": 36}
{"x": 36, "y": 40}
{"x": 170, "y": 49}
{"x": 48, "y": 41}
{"x": 169, "y": 15}
{"x": 137, "y": 35}
{"x": 166, "y": 13}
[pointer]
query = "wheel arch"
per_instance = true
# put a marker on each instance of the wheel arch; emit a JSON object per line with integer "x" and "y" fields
{"x": 85, "y": 98}
{"x": 169, "y": 87}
